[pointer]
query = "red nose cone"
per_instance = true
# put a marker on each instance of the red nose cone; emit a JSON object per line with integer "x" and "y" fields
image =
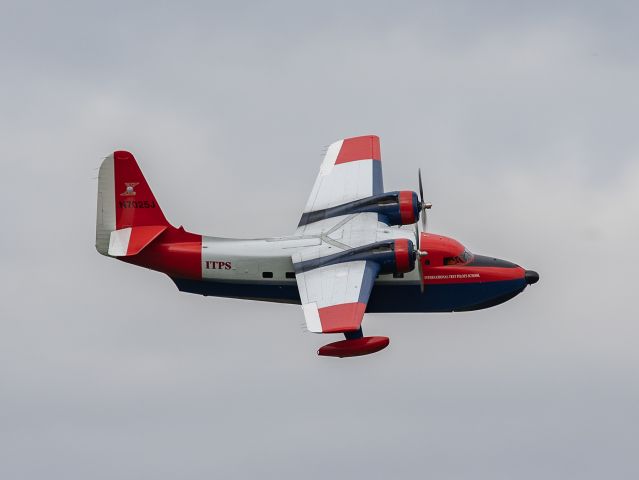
{"x": 355, "y": 347}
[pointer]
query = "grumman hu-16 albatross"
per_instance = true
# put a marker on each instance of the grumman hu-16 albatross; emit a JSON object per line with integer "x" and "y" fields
{"x": 344, "y": 259}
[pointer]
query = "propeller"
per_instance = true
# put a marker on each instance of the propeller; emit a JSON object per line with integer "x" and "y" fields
{"x": 422, "y": 205}
{"x": 420, "y": 254}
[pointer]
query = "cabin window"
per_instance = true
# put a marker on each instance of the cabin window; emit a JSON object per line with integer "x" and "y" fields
{"x": 465, "y": 257}
{"x": 398, "y": 275}
{"x": 267, "y": 274}
{"x": 290, "y": 274}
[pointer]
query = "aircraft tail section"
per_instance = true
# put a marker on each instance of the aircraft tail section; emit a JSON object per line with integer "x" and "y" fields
{"x": 131, "y": 227}
{"x": 128, "y": 215}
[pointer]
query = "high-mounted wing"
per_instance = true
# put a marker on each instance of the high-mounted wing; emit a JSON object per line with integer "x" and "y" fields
{"x": 334, "y": 297}
{"x": 334, "y": 294}
{"x": 351, "y": 170}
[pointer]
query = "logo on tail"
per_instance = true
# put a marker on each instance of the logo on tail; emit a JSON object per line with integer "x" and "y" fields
{"x": 130, "y": 189}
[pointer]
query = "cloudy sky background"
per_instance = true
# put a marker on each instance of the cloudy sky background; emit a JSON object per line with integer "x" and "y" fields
{"x": 523, "y": 119}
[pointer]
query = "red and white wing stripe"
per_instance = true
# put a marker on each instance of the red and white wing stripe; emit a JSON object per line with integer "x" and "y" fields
{"x": 343, "y": 317}
{"x": 351, "y": 170}
{"x": 334, "y": 297}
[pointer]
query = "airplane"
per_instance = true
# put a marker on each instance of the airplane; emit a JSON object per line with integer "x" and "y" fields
{"x": 352, "y": 251}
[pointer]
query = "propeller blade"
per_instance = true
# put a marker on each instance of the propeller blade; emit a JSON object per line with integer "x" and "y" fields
{"x": 419, "y": 259}
{"x": 424, "y": 218}
{"x": 422, "y": 205}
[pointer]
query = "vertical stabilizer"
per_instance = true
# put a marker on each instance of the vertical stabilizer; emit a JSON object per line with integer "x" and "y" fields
{"x": 125, "y": 199}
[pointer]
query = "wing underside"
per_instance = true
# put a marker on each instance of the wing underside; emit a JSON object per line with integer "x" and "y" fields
{"x": 351, "y": 170}
{"x": 334, "y": 296}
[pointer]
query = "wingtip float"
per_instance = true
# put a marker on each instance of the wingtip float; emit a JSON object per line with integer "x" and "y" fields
{"x": 354, "y": 347}
{"x": 352, "y": 252}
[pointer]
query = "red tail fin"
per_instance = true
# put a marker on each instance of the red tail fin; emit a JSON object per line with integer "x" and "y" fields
{"x": 131, "y": 226}
{"x": 135, "y": 204}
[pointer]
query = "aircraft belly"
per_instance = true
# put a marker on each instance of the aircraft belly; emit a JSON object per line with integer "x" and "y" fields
{"x": 387, "y": 297}
{"x": 278, "y": 292}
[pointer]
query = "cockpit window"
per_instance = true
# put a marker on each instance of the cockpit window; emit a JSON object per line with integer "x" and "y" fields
{"x": 464, "y": 257}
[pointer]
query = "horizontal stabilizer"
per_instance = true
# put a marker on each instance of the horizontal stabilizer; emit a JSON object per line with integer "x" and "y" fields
{"x": 130, "y": 241}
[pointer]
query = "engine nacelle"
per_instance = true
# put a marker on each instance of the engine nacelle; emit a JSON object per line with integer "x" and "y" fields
{"x": 392, "y": 256}
{"x": 402, "y": 259}
{"x": 405, "y": 255}
{"x": 399, "y": 208}
{"x": 395, "y": 208}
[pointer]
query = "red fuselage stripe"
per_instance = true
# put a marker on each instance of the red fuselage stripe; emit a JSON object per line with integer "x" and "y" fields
{"x": 175, "y": 252}
{"x": 450, "y": 274}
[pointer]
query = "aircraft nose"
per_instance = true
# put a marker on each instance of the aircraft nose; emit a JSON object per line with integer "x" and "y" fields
{"x": 531, "y": 277}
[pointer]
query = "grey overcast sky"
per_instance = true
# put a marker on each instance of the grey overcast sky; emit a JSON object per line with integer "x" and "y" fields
{"x": 523, "y": 118}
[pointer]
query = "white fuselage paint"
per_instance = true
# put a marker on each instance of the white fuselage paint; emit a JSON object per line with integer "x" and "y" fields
{"x": 245, "y": 261}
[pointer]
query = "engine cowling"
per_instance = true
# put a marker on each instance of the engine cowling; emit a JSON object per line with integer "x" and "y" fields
{"x": 408, "y": 207}
{"x": 395, "y": 208}
{"x": 393, "y": 256}
{"x": 399, "y": 208}
{"x": 405, "y": 255}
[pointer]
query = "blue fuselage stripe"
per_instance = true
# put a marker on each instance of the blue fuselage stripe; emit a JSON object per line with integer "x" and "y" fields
{"x": 385, "y": 297}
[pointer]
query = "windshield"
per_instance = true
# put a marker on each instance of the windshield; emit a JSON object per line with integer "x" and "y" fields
{"x": 464, "y": 257}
